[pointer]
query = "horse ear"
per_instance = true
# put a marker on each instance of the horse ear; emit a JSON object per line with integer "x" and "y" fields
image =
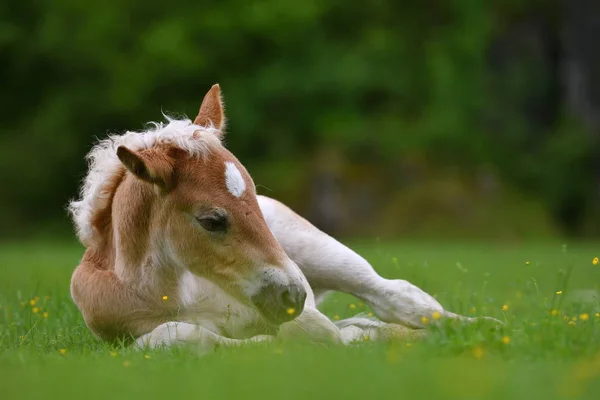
{"x": 148, "y": 165}
{"x": 211, "y": 110}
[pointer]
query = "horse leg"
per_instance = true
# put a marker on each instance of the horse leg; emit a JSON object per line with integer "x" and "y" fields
{"x": 182, "y": 333}
{"x": 311, "y": 325}
{"x": 329, "y": 265}
{"x": 364, "y": 328}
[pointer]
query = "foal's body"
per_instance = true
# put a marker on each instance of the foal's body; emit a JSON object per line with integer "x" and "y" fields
{"x": 205, "y": 312}
{"x": 181, "y": 250}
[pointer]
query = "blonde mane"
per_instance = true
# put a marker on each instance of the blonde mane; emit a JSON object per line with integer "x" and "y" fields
{"x": 105, "y": 167}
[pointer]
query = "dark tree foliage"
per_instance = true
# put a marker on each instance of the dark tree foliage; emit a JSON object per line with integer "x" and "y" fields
{"x": 456, "y": 83}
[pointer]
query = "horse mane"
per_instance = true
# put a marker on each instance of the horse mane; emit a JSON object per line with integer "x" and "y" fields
{"x": 106, "y": 170}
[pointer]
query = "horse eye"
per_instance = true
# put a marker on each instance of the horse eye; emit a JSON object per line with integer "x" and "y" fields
{"x": 214, "y": 223}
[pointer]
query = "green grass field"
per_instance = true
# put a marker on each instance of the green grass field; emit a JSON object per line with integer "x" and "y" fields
{"x": 549, "y": 347}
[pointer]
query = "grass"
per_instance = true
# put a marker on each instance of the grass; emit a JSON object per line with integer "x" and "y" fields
{"x": 549, "y": 347}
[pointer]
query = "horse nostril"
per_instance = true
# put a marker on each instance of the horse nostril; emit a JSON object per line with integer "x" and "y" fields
{"x": 302, "y": 297}
{"x": 293, "y": 299}
{"x": 287, "y": 300}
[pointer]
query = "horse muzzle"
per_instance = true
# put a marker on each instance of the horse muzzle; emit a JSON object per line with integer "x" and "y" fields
{"x": 280, "y": 303}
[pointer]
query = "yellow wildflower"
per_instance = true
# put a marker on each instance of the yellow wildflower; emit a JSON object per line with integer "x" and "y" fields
{"x": 291, "y": 311}
{"x": 22, "y": 338}
{"x": 336, "y": 317}
{"x": 572, "y": 323}
{"x": 555, "y": 312}
{"x": 146, "y": 356}
{"x": 527, "y": 262}
{"x": 473, "y": 310}
{"x": 478, "y": 352}
{"x": 366, "y": 338}
{"x": 574, "y": 318}
{"x": 165, "y": 298}
{"x": 32, "y": 302}
{"x": 114, "y": 354}
{"x": 424, "y": 320}
{"x": 45, "y": 314}
{"x": 63, "y": 352}
{"x": 436, "y": 315}
{"x": 35, "y": 310}
{"x": 559, "y": 292}
{"x": 505, "y": 340}
{"x": 595, "y": 261}
{"x": 370, "y": 314}
{"x": 505, "y": 307}
{"x": 597, "y": 315}
{"x": 352, "y": 306}
{"x": 584, "y": 316}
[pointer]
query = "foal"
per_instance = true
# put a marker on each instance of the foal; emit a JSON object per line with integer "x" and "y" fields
{"x": 180, "y": 249}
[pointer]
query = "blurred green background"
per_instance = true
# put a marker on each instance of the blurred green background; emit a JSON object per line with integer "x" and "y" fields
{"x": 427, "y": 118}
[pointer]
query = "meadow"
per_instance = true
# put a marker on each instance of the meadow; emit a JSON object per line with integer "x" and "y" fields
{"x": 549, "y": 347}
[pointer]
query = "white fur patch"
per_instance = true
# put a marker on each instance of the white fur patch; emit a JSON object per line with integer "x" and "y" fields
{"x": 234, "y": 180}
{"x": 190, "y": 289}
{"x": 105, "y": 165}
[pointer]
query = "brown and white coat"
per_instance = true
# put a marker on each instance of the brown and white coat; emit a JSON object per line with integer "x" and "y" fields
{"x": 180, "y": 249}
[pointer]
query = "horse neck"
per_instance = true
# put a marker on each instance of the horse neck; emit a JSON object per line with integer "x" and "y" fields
{"x": 137, "y": 259}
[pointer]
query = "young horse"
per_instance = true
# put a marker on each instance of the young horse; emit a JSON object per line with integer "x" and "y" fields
{"x": 180, "y": 249}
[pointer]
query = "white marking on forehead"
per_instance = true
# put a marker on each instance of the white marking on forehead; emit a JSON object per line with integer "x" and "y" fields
{"x": 234, "y": 180}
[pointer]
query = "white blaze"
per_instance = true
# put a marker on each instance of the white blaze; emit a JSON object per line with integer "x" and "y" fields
{"x": 234, "y": 180}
